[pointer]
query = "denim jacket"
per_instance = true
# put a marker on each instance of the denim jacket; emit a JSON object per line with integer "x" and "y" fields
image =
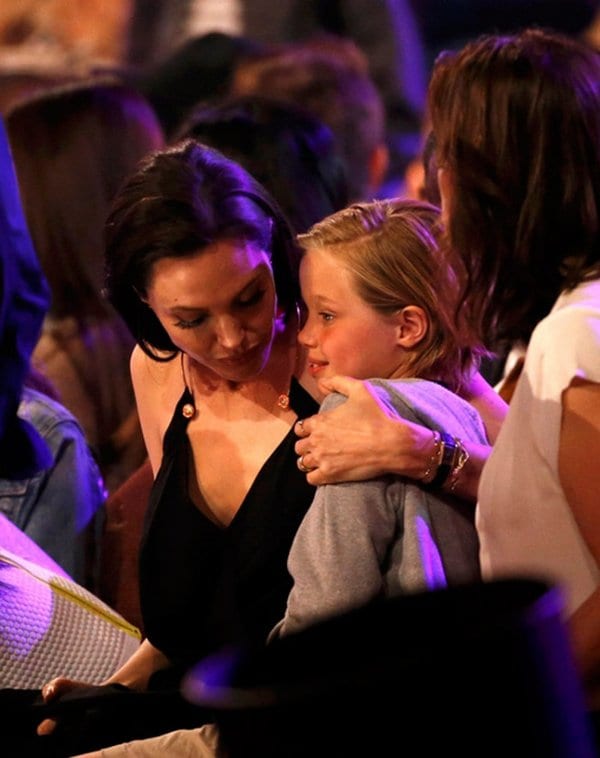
{"x": 61, "y": 506}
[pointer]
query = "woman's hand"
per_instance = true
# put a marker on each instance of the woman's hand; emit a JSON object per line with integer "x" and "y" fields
{"x": 363, "y": 438}
{"x": 133, "y": 674}
{"x": 360, "y": 439}
{"x": 52, "y": 691}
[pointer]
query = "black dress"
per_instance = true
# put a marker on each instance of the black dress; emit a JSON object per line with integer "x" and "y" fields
{"x": 204, "y": 586}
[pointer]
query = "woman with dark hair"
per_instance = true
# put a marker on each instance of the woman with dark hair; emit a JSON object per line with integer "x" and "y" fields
{"x": 203, "y": 268}
{"x": 73, "y": 146}
{"x": 517, "y": 127}
{"x": 290, "y": 152}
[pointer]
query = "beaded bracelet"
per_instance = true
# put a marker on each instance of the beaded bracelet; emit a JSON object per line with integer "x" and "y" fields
{"x": 447, "y": 461}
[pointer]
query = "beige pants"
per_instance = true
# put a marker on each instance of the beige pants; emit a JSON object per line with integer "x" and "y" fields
{"x": 183, "y": 743}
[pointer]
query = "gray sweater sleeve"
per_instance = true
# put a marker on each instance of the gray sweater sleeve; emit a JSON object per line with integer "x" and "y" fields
{"x": 384, "y": 536}
{"x": 338, "y": 550}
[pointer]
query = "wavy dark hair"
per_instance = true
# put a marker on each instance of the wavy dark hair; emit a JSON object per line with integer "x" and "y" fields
{"x": 181, "y": 200}
{"x": 517, "y": 125}
{"x": 73, "y": 145}
{"x": 291, "y": 153}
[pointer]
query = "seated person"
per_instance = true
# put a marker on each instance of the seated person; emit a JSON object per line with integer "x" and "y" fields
{"x": 290, "y": 152}
{"x": 73, "y": 146}
{"x": 50, "y": 486}
{"x": 378, "y": 305}
{"x": 61, "y": 505}
{"x": 333, "y": 84}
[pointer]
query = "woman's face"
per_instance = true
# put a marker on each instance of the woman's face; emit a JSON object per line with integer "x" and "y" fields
{"x": 342, "y": 334}
{"x": 218, "y": 306}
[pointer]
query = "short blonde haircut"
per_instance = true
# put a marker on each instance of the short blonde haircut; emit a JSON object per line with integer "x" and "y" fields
{"x": 390, "y": 248}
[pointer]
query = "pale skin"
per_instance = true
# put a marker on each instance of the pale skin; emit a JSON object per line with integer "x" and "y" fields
{"x": 579, "y": 453}
{"x": 220, "y": 310}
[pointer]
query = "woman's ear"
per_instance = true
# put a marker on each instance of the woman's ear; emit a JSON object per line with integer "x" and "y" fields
{"x": 412, "y": 326}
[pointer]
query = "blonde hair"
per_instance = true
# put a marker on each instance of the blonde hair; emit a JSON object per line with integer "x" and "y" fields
{"x": 390, "y": 248}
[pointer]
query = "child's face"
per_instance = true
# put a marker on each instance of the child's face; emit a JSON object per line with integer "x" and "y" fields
{"x": 342, "y": 333}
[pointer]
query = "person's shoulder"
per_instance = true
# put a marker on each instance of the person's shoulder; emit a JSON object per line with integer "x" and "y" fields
{"x": 141, "y": 361}
{"x": 138, "y": 358}
{"x": 567, "y": 341}
{"x": 55, "y": 424}
{"x": 579, "y": 306}
{"x": 430, "y": 403}
{"x": 42, "y": 411}
{"x": 414, "y": 391}
{"x": 158, "y": 387}
{"x": 149, "y": 374}
{"x": 573, "y": 324}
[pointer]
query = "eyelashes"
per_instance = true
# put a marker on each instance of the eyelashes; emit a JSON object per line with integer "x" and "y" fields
{"x": 246, "y": 303}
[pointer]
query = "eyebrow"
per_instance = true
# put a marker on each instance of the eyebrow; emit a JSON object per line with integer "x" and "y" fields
{"x": 187, "y": 309}
{"x": 322, "y": 300}
{"x": 201, "y": 310}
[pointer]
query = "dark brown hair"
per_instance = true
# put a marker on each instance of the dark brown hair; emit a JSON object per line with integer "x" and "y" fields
{"x": 517, "y": 126}
{"x": 290, "y": 152}
{"x": 73, "y": 146}
{"x": 331, "y": 85}
{"x": 183, "y": 199}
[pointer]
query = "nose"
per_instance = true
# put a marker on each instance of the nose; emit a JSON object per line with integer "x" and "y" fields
{"x": 306, "y": 334}
{"x": 230, "y": 332}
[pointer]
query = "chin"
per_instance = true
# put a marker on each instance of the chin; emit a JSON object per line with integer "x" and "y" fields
{"x": 245, "y": 371}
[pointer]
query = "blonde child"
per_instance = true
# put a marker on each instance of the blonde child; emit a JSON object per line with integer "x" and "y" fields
{"x": 379, "y": 306}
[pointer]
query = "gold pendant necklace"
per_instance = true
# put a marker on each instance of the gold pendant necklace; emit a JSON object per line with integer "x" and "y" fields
{"x": 189, "y": 410}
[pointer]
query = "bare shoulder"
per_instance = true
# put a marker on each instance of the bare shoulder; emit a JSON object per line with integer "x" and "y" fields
{"x": 157, "y": 386}
{"x": 151, "y": 375}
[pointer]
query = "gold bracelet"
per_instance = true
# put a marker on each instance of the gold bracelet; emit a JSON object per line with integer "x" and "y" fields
{"x": 435, "y": 459}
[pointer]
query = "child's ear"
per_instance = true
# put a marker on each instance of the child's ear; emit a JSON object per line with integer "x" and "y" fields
{"x": 412, "y": 326}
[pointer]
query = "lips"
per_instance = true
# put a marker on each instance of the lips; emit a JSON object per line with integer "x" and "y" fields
{"x": 315, "y": 367}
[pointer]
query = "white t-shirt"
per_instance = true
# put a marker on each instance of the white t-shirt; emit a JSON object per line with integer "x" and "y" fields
{"x": 523, "y": 519}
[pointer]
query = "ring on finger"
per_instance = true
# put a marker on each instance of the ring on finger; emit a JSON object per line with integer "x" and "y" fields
{"x": 302, "y": 466}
